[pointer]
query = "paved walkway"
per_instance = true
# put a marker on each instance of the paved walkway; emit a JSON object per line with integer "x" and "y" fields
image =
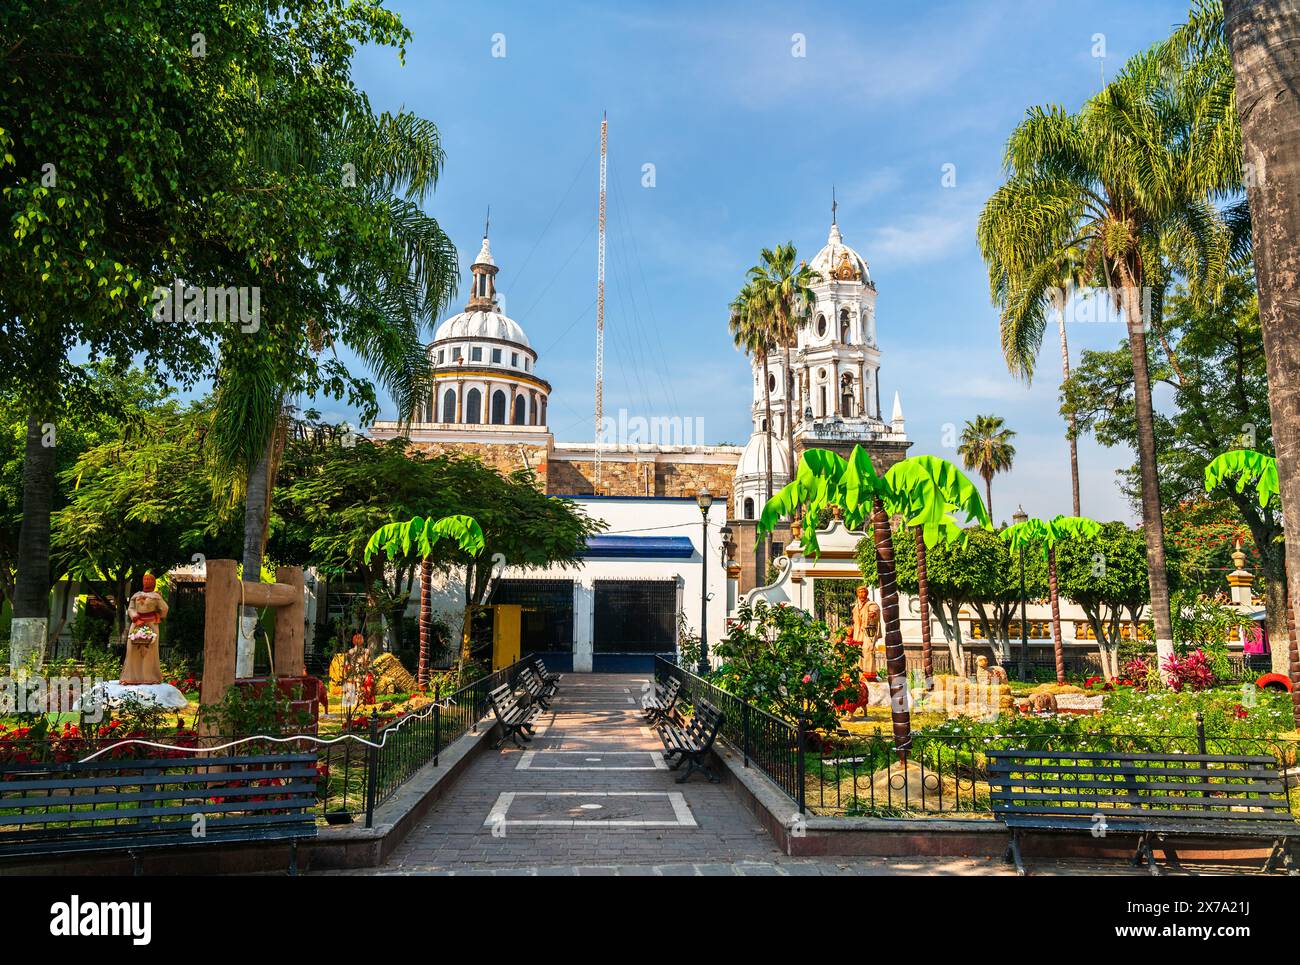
{"x": 592, "y": 796}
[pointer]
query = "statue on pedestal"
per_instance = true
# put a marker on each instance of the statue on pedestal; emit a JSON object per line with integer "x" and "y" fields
{"x": 146, "y": 610}
{"x": 866, "y": 629}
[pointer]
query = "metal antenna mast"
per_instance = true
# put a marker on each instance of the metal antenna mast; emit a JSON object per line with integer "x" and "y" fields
{"x": 600, "y": 304}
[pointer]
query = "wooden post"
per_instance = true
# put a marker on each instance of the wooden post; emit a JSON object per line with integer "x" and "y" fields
{"x": 221, "y": 605}
{"x": 290, "y": 625}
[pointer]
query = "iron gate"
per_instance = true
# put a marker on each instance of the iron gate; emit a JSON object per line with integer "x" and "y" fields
{"x": 634, "y": 622}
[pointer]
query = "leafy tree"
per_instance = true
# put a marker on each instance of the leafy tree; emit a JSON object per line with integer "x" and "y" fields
{"x": 1107, "y": 577}
{"x": 986, "y": 448}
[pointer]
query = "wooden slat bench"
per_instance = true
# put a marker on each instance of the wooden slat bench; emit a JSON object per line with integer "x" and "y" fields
{"x": 659, "y": 703}
{"x": 516, "y": 720}
{"x": 536, "y": 688}
{"x": 1153, "y": 796}
{"x": 551, "y": 678}
{"x": 135, "y": 804}
{"x": 692, "y": 743}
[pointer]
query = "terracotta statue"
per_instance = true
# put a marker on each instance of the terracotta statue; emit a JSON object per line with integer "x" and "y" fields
{"x": 866, "y": 629}
{"x": 146, "y": 610}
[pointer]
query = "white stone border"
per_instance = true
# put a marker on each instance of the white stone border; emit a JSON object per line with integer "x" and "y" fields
{"x": 681, "y": 811}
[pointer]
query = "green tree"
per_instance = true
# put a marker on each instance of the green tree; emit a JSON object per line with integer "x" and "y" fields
{"x": 1133, "y": 175}
{"x": 986, "y": 448}
{"x": 1107, "y": 577}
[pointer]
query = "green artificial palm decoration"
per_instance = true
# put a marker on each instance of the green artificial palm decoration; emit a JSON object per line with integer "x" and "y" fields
{"x": 421, "y": 535}
{"x": 1250, "y": 467}
{"x": 925, "y": 491}
{"x": 784, "y": 286}
{"x": 751, "y": 328}
{"x": 1045, "y": 534}
{"x": 986, "y": 448}
{"x": 1131, "y": 182}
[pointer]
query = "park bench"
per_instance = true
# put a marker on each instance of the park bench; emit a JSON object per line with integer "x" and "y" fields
{"x": 536, "y": 688}
{"x": 659, "y": 703}
{"x": 692, "y": 743}
{"x": 550, "y": 677}
{"x": 134, "y": 804}
{"x": 515, "y": 718}
{"x": 1153, "y": 796}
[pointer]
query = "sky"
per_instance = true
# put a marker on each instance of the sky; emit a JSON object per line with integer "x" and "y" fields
{"x": 729, "y": 126}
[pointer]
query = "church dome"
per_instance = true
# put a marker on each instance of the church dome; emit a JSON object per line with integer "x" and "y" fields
{"x": 838, "y": 262}
{"x": 753, "y": 461}
{"x": 481, "y": 324}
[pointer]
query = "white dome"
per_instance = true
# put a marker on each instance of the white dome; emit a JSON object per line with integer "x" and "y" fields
{"x": 838, "y": 262}
{"x": 753, "y": 461}
{"x": 480, "y": 324}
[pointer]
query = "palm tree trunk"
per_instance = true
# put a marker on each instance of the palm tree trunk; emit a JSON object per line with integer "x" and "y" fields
{"x": 923, "y": 599}
{"x": 1266, "y": 64}
{"x": 1152, "y": 522}
{"x": 767, "y": 416}
{"x": 988, "y": 491}
{"x": 1070, "y": 421}
{"x": 256, "y": 508}
{"x": 1293, "y": 663}
{"x": 789, "y": 422}
{"x": 1057, "y": 646}
{"x": 426, "y": 625}
{"x": 31, "y": 603}
{"x": 895, "y": 658}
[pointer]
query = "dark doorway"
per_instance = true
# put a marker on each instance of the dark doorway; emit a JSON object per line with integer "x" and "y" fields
{"x": 547, "y": 618}
{"x": 634, "y": 622}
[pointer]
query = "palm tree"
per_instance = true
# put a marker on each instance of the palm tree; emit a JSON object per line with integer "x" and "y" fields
{"x": 1046, "y": 534}
{"x": 1127, "y": 178}
{"x": 785, "y": 290}
{"x": 926, "y": 490}
{"x": 396, "y": 540}
{"x": 751, "y": 329}
{"x": 986, "y": 448}
{"x": 397, "y": 285}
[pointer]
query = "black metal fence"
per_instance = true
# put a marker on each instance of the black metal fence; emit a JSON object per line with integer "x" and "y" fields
{"x": 863, "y": 775}
{"x": 357, "y": 771}
{"x": 767, "y": 742}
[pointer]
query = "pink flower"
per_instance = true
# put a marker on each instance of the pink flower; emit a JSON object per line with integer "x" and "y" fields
{"x": 807, "y": 678}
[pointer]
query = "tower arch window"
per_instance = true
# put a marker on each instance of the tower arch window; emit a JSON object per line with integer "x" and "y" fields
{"x": 449, "y": 406}
{"x": 821, "y": 326}
{"x": 473, "y": 406}
{"x": 498, "y": 408}
{"x": 519, "y": 410}
{"x": 749, "y": 507}
{"x": 844, "y": 325}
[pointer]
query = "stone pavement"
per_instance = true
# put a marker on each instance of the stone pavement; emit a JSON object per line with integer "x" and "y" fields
{"x": 592, "y": 796}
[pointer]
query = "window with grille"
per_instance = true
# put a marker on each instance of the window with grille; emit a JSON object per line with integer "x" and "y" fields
{"x": 635, "y": 617}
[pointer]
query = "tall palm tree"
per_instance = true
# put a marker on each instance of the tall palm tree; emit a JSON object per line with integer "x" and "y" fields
{"x": 1131, "y": 176}
{"x": 395, "y": 286}
{"x": 785, "y": 285}
{"x": 751, "y": 329}
{"x": 986, "y": 448}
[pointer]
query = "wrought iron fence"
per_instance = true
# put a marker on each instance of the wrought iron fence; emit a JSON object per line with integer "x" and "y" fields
{"x": 863, "y": 775}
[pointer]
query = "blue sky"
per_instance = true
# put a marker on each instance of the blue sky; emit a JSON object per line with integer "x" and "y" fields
{"x": 747, "y": 140}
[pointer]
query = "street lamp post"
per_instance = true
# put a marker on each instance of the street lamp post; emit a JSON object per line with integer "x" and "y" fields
{"x": 1020, "y": 516}
{"x": 704, "y": 499}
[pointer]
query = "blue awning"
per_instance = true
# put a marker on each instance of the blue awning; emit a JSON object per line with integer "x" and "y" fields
{"x": 640, "y": 547}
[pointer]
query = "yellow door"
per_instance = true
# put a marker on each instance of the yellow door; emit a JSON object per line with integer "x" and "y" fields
{"x": 506, "y": 618}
